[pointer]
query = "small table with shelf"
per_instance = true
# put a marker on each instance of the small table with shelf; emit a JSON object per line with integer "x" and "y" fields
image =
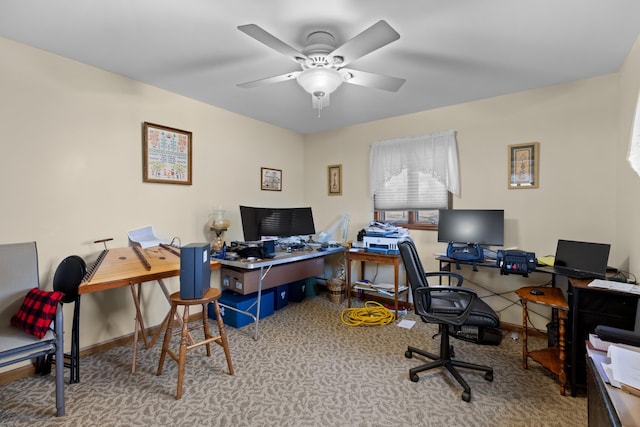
{"x": 377, "y": 258}
{"x": 552, "y": 358}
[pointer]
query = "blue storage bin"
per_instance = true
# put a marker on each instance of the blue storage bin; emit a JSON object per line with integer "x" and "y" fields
{"x": 243, "y": 302}
{"x": 281, "y": 296}
{"x": 297, "y": 290}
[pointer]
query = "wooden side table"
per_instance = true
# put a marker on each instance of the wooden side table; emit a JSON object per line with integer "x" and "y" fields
{"x": 551, "y": 358}
{"x": 364, "y": 257}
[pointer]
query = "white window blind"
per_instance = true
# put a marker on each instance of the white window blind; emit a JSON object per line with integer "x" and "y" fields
{"x": 414, "y": 173}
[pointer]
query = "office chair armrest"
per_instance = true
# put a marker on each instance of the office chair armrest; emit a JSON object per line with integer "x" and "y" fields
{"x": 453, "y": 315}
{"x": 451, "y": 276}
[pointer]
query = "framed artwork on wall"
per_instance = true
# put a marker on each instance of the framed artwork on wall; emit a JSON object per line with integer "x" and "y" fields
{"x": 166, "y": 155}
{"x": 270, "y": 179}
{"x": 524, "y": 163}
{"x": 335, "y": 180}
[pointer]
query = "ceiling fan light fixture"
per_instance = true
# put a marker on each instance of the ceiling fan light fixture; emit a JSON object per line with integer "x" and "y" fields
{"x": 320, "y": 81}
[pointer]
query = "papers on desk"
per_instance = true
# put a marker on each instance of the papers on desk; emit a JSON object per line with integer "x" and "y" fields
{"x": 615, "y": 286}
{"x": 623, "y": 371}
{"x": 382, "y": 288}
{"x": 546, "y": 260}
{"x": 598, "y": 344}
{"x": 144, "y": 237}
{"x": 380, "y": 229}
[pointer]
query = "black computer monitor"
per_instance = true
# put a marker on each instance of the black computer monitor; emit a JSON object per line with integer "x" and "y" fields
{"x": 279, "y": 222}
{"x": 471, "y": 226}
{"x": 582, "y": 259}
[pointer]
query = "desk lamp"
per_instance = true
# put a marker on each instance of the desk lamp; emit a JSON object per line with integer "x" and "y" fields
{"x": 219, "y": 225}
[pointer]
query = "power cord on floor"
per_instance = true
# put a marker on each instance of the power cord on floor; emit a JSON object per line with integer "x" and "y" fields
{"x": 372, "y": 314}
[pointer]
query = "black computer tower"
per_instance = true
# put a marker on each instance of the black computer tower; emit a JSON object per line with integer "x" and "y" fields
{"x": 195, "y": 270}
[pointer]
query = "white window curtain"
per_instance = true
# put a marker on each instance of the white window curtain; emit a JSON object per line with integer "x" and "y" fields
{"x": 634, "y": 146}
{"x": 414, "y": 173}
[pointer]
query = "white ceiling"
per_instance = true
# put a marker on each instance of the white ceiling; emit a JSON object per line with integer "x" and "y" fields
{"x": 449, "y": 51}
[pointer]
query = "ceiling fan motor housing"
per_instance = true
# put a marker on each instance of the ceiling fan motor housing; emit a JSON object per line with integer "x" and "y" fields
{"x": 320, "y": 44}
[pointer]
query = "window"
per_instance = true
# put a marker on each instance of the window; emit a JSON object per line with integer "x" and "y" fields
{"x": 634, "y": 146}
{"x": 411, "y": 178}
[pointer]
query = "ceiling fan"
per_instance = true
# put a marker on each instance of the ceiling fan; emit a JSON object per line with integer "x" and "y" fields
{"x": 323, "y": 65}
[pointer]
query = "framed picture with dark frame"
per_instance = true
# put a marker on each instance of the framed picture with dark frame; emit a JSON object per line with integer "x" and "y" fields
{"x": 271, "y": 179}
{"x": 334, "y": 173}
{"x": 524, "y": 164}
{"x": 166, "y": 155}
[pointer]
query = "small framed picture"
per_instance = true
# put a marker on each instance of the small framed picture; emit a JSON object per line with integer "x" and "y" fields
{"x": 335, "y": 180}
{"x": 270, "y": 179}
{"x": 524, "y": 161}
{"x": 166, "y": 155}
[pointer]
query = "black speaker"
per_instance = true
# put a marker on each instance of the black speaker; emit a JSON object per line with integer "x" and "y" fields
{"x": 195, "y": 270}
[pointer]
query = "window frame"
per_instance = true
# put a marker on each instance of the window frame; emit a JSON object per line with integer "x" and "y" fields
{"x": 412, "y": 223}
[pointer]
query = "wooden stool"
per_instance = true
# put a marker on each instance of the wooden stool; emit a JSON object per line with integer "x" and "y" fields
{"x": 210, "y": 296}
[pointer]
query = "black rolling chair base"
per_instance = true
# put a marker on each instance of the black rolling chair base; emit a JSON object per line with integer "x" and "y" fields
{"x": 450, "y": 365}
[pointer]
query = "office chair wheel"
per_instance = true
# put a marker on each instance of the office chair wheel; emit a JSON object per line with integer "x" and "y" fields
{"x": 466, "y": 396}
{"x": 408, "y": 354}
{"x": 488, "y": 376}
{"x": 414, "y": 377}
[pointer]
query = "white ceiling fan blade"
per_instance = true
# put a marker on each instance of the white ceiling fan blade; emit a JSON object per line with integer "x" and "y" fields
{"x": 252, "y": 30}
{"x": 378, "y": 35}
{"x": 378, "y": 81}
{"x": 270, "y": 80}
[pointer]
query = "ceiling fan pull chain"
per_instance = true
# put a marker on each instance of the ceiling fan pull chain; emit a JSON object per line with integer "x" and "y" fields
{"x": 319, "y": 96}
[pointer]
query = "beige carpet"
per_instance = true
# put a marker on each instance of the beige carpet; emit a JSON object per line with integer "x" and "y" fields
{"x": 306, "y": 369}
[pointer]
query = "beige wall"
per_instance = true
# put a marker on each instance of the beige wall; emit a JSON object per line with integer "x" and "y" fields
{"x": 71, "y": 139}
{"x": 72, "y": 171}
{"x": 576, "y": 125}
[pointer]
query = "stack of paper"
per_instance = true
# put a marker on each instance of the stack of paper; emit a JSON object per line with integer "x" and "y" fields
{"x": 144, "y": 237}
{"x": 624, "y": 369}
{"x": 382, "y": 288}
{"x": 598, "y": 344}
{"x": 615, "y": 286}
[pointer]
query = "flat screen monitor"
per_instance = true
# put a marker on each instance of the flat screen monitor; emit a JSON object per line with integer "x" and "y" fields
{"x": 472, "y": 226}
{"x": 581, "y": 259}
{"x": 279, "y": 222}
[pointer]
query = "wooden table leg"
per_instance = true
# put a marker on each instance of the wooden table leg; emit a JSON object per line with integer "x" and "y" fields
{"x": 525, "y": 351}
{"x": 562, "y": 315}
{"x": 348, "y": 265}
{"x": 396, "y": 265}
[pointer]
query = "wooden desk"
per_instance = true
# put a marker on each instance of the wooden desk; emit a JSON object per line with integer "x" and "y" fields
{"x": 120, "y": 267}
{"x": 588, "y": 308}
{"x": 552, "y": 358}
{"x": 608, "y": 405}
{"x": 364, "y": 257}
{"x": 285, "y": 267}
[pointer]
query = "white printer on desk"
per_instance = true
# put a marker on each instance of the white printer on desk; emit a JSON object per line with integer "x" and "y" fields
{"x": 383, "y": 238}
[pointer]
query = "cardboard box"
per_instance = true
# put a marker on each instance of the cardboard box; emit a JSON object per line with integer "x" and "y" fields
{"x": 243, "y": 302}
{"x": 281, "y": 296}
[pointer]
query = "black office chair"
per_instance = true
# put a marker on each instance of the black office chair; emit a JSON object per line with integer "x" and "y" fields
{"x": 67, "y": 279}
{"x": 450, "y": 307}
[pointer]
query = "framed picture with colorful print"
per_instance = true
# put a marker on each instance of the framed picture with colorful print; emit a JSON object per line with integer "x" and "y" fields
{"x": 524, "y": 165}
{"x": 166, "y": 155}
